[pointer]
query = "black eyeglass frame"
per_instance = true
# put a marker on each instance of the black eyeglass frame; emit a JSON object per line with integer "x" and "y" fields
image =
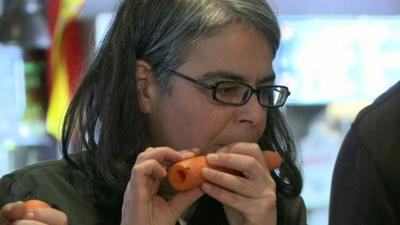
{"x": 213, "y": 88}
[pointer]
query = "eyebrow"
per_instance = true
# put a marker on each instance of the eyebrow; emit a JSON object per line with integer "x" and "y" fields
{"x": 222, "y": 74}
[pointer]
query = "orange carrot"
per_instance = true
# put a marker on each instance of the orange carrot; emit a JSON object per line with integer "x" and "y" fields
{"x": 35, "y": 204}
{"x": 186, "y": 174}
{"x": 272, "y": 159}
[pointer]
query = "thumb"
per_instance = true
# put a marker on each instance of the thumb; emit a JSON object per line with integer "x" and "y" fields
{"x": 183, "y": 200}
{"x": 12, "y": 211}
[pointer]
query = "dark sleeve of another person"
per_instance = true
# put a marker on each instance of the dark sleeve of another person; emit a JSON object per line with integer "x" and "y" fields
{"x": 366, "y": 179}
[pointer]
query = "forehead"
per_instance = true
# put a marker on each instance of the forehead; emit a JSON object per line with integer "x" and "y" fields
{"x": 237, "y": 48}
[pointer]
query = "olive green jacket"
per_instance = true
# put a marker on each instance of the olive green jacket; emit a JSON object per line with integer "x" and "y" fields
{"x": 86, "y": 202}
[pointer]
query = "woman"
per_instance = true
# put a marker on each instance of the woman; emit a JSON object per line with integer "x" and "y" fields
{"x": 172, "y": 79}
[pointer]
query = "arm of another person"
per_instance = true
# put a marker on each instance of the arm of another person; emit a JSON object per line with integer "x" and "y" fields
{"x": 358, "y": 195}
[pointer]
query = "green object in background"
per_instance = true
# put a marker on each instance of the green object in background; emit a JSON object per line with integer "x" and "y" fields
{"x": 35, "y": 90}
{"x": 9, "y": 145}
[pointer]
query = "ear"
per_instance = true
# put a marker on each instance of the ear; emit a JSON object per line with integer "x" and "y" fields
{"x": 146, "y": 85}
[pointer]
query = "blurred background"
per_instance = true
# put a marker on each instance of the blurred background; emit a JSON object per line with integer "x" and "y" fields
{"x": 336, "y": 57}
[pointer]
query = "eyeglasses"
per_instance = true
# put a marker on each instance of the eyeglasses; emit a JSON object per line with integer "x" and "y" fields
{"x": 238, "y": 93}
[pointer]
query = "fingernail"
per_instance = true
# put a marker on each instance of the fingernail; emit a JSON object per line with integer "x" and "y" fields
{"x": 188, "y": 154}
{"x": 29, "y": 215}
{"x": 223, "y": 149}
{"x": 195, "y": 150}
{"x": 212, "y": 157}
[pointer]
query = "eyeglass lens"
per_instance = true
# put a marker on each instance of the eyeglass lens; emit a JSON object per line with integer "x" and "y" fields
{"x": 236, "y": 93}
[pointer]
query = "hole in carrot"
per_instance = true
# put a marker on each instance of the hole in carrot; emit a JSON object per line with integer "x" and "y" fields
{"x": 181, "y": 176}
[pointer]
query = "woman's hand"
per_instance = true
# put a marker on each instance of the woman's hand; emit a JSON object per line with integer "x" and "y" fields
{"x": 142, "y": 204}
{"x": 249, "y": 199}
{"x": 16, "y": 213}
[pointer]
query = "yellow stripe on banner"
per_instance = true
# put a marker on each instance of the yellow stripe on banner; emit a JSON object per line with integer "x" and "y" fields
{"x": 70, "y": 8}
{"x": 59, "y": 95}
{"x": 59, "y": 101}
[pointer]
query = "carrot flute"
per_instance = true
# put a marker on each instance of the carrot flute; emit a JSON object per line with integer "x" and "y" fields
{"x": 35, "y": 204}
{"x": 186, "y": 174}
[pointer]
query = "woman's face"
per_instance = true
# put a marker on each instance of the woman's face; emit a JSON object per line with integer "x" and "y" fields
{"x": 188, "y": 117}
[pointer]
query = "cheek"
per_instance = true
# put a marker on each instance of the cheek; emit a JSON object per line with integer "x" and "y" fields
{"x": 187, "y": 124}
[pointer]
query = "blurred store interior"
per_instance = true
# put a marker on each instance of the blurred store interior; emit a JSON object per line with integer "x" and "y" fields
{"x": 336, "y": 57}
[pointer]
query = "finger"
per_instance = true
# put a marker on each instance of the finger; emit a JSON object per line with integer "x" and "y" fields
{"x": 190, "y": 153}
{"x": 252, "y": 209}
{"x": 249, "y": 149}
{"x": 27, "y": 222}
{"x": 226, "y": 197}
{"x": 47, "y": 216}
{"x": 150, "y": 168}
{"x": 233, "y": 183}
{"x": 183, "y": 200}
{"x": 164, "y": 155}
{"x": 12, "y": 211}
{"x": 245, "y": 164}
{"x": 145, "y": 180}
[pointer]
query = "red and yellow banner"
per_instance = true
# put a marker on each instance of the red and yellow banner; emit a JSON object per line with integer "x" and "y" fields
{"x": 65, "y": 60}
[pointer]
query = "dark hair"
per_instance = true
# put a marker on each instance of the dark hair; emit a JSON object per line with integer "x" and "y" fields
{"x": 104, "y": 124}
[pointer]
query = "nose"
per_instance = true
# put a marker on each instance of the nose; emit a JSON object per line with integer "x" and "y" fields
{"x": 252, "y": 112}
